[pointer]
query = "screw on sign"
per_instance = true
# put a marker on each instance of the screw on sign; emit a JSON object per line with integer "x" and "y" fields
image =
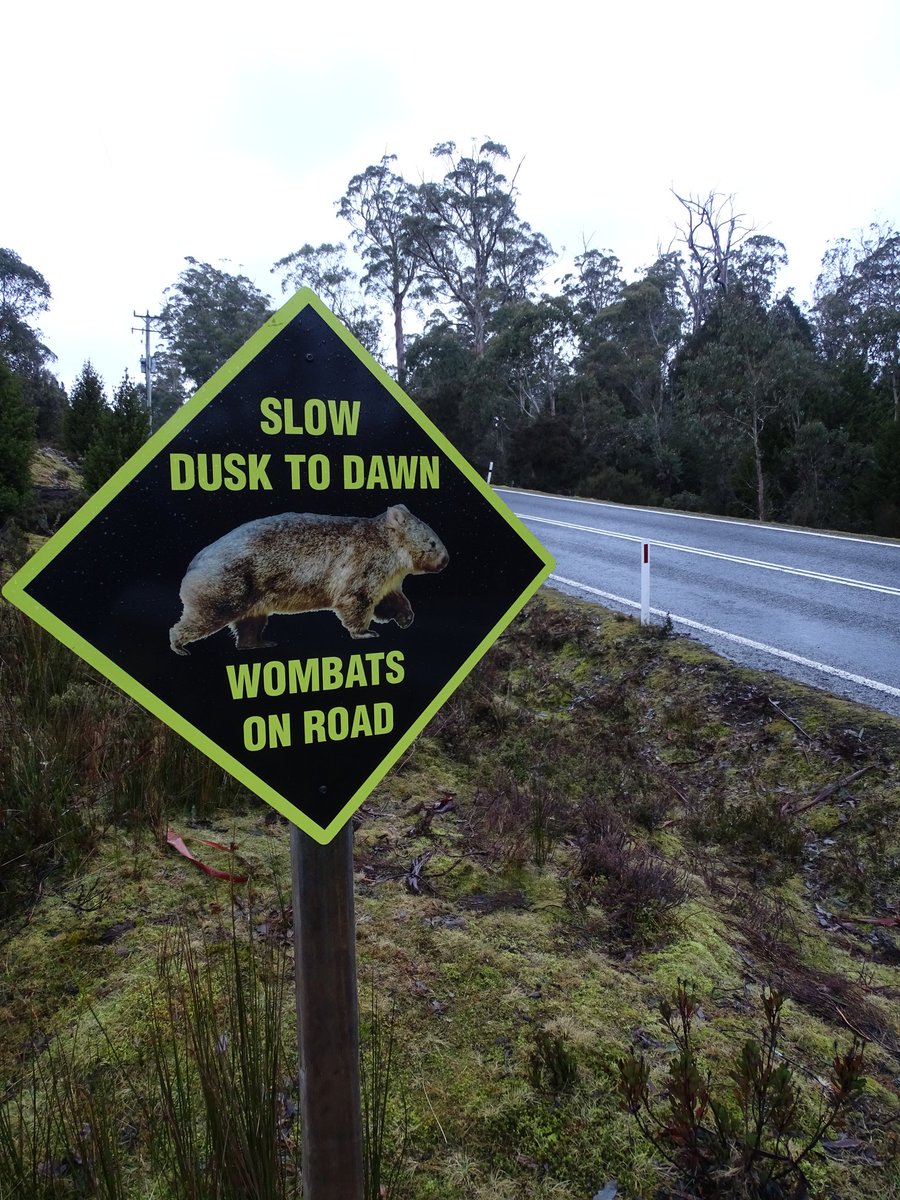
{"x": 294, "y": 573}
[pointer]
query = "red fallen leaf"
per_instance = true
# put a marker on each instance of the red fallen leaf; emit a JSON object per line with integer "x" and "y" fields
{"x": 177, "y": 843}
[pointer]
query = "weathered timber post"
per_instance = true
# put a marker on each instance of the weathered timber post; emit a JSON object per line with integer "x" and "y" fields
{"x": 327, "y": 1016}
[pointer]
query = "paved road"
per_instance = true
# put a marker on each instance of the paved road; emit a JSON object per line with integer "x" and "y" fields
{"x": 821, "y": 608}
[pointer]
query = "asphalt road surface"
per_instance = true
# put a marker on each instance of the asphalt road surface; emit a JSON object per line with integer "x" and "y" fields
{"x": 821, "y": 608}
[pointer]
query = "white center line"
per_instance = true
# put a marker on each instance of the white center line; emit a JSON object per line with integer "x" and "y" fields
{"x": 825, "y": 668}
{"x": 885, "y": 589}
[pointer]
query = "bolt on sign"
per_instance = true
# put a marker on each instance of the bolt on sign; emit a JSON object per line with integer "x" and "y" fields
{"x": 294, "y": 573}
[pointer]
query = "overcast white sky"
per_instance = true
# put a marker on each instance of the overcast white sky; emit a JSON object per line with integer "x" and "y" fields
{"x": 135, "y": 135}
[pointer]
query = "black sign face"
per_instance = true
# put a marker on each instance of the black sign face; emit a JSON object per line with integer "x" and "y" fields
{"x": 294, "y": 573}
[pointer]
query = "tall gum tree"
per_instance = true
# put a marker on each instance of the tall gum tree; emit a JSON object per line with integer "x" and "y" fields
{"x": 209, "y": 313}
{"x": 743, "y": 373}
{"x": 858, "y": 306}
{"x": 471, "y": 245}
{"x": 378, "y": 207}
{"x": 593, "y": 286}
{"x": 710, "y": 233}
{"x": 643, "y": 327}
{"x": 24, "y": 292}
{"x": 325, "y": 269}
{"x": 24, "y": 295}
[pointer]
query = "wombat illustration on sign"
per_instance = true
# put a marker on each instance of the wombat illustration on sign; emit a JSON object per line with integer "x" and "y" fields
{"x": 302, "y": 562}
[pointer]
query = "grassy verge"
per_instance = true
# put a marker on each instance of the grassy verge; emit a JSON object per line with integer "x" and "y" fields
{"x": 597, "y": 814}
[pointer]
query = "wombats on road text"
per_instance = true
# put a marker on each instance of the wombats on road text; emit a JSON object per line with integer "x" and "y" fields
{"x": 302, "y": 562}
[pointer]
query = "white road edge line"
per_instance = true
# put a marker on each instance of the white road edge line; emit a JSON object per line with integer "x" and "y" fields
{"x": 884, "y": 588}
{"x": 685, "y": 516}
{"x": 825, "y": 668}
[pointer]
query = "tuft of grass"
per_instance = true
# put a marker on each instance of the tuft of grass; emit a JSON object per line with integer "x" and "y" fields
{"x": 226, "y": 1128}
{"x": 385, "y": 1128}
{"x": 76, "y": 758}
{"x": 205, "y": 1105}
{"x": 61, "y": 1136}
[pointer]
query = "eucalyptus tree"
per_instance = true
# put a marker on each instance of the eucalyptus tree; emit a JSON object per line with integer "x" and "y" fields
{"x": 445, "y": 380}
{"x": 325, "y": 269}
{"x": 884, "y": 497}
{"x": 858, "y": 307}
{"x": 756, "y": 264}
{"x": 740, "y": 378}
{"x": 208, "y": 314}
{"x": 594, "y": 285}
{"x": 529, "y": 355}
{"x": 472, "y": 247}
{"x": 378, "y": 205}
{"x": 642, "y": 329}
{"x": 710, "y": 233}
{"x": 24, "y": 293}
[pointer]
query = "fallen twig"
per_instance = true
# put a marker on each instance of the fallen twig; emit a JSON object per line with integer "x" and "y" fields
{"x": 433, "y": 1113}
{"x": 853, "y": 1029}
{"x": 796, "y": 724}
{"x": 825, "y": 792}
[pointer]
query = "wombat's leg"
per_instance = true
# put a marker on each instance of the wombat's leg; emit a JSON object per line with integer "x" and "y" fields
{"x": 200, "y": 621}
{"x": 248, "y": 633}
{"x": 355, "y": 614}
{"x": 395, "y": 607}
{"x": 192, "y": 628}
{"x": 176, "y": 641}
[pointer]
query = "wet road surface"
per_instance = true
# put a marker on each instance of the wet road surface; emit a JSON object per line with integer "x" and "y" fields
{"x": 820, "y": 608}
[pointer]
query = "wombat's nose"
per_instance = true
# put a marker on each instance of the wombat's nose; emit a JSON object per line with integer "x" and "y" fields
{"x": 442, "y": 561}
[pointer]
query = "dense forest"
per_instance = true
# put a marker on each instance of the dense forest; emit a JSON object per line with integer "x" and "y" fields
{"x": 698, "y": 384}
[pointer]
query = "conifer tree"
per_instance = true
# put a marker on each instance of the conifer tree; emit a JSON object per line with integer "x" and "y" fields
{"x": 83, "y": 415}
{"x": 121, "y": 431}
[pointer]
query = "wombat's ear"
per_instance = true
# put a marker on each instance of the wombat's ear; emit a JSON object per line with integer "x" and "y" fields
{"x": 397, "y": 514}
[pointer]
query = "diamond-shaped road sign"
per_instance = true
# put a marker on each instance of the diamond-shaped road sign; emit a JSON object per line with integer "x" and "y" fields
{"x": 299, "y": 484}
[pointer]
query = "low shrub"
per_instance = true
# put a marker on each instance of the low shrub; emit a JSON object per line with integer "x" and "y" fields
{"x": 744, "y": 1139}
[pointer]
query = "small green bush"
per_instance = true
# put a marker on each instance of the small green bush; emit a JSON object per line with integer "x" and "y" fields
{"x": 745, "y": 1140}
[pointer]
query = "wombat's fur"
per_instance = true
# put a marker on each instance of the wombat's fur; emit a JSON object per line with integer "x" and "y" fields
{"x": 301, "y": 562}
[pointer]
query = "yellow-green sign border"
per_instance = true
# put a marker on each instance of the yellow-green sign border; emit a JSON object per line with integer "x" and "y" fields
{"x": 14, "y": 590}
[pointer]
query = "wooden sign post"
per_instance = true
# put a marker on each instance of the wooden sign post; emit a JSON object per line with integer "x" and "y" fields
{"x": 327, "y": 1016}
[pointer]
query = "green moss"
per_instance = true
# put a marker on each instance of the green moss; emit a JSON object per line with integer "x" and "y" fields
{"x": 704, "y": 957}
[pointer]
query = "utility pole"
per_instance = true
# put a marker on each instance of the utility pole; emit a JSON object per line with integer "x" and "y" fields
{"x": 147, "y": 361}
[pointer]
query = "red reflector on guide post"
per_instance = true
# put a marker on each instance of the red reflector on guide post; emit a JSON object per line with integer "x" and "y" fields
{"x": 646, "y": 552}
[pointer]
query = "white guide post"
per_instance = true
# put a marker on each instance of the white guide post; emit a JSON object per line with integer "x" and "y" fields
{"x": 645, "y": 583}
